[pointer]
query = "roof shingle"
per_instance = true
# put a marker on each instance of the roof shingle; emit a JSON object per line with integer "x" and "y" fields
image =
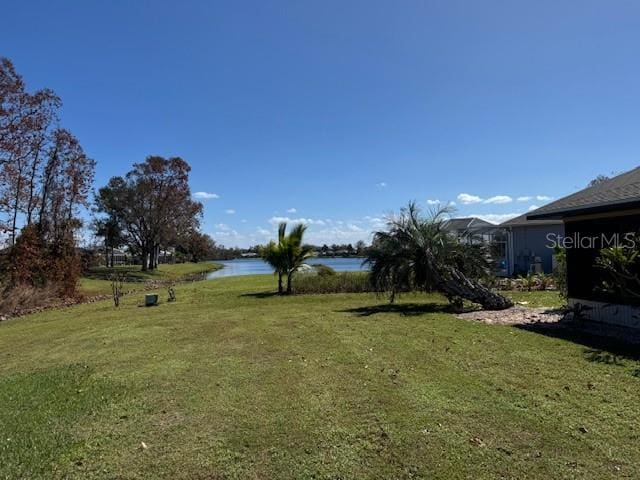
{"x": 618, "y": 192}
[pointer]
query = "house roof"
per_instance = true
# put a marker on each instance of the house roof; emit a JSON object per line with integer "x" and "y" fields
{"x": 523, "y": 221}
{"x": 617, "y": 193}
{"x": 468, "y": 224}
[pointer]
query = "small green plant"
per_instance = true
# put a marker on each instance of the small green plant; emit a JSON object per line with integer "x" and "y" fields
{"x": 621, "y": 266}
{"x": 117, "y": 281}
{"x": 545, "y": 282}
{"x": 560, "y": 272}
{"x": 525, "y": 283}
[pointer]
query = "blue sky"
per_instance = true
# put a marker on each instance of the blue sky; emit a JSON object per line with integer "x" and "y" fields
{"x": 338, "y": 112}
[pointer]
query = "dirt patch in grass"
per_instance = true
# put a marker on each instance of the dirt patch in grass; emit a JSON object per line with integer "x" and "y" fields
{"x": 515, "y": 316}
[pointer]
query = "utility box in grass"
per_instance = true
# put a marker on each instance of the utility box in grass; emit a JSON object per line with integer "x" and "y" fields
{"x": 151, "y": 300}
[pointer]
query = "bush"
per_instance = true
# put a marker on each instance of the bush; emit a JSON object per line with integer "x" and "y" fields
{"x": 50, "y": 267}
{"x": 323, "y": 270}
{"x": 560, "y": 272}
{"x": 343, "y": 282}
{"x": 26, "y": 298}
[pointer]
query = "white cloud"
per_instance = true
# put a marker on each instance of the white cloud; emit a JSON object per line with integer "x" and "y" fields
{"x": 206, "y": 195}
{"x": 230, "y": 211}
{"x": 225, "y": 231}
{"x": 350, "y": 234}
{"x": 433, "y": 202}
{"x": 376, "y": 223}
{"x": 263, "y": 231}
{"x": 540, "y": 198}
{"x": 244, "y": 220}
{"x": 468, "y": 199}
{"x": 499, "y": 199}
{"x": 291, "y": 210}
{"x": 533, "y": 207}
{"x": 227, "y": 234}
{"x": 381, "y": 184}
{"x": 306, "y": 221}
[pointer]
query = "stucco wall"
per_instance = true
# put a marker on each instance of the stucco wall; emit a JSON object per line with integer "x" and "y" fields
{"x": 529, "y": 242}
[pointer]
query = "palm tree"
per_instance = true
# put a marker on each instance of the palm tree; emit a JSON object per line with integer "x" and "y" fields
{"x": 287, "y": 254}
{"x": 274, "y": 254}
{"x": 417, "y": 253}
{"x": 295, "y": 251}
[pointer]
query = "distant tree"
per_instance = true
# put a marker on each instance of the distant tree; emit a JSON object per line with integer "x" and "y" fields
{"x": 197, "y": 246}
{"x": 153, "y": 204}
{"x": 598, "y": 180}
{"x": 361, "y": 248}
{"x": 110, "y": 230}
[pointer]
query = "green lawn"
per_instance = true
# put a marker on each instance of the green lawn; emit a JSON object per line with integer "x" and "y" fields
{"x": 230, "y": 382}
{"x": 550, "y": 299}
{"x": 97, "y": 281}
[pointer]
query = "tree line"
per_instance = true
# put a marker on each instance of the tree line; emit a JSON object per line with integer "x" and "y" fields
{"x": 45, "y": 179}
{"x": 46, "y": 189}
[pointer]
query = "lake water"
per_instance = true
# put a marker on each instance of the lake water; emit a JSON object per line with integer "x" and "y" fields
{"x": 256, "y": 266}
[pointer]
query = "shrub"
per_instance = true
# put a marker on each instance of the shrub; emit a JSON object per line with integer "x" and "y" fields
{"x": 28, "y": 259}
{"x": 31, "y": 262}
{"x": 560, "y": 272}
{"x": 343, "y": 282}
{"x": 26, "y": 298}
{"x": 323, "y": 270}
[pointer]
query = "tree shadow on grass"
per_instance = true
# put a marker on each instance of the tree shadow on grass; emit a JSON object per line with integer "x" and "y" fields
{"x": 404, "y": 309}
{"x": 260, "y": 295}
{"x": 603, "y": 343}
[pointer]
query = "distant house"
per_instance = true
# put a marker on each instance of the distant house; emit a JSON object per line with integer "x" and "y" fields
{"x": 468, "y": 227}
{"x": 119, "y": 256}
{"x": 594, "y": 218}
{"x": 528, "y": 244}
{"x": 476, "y": 230}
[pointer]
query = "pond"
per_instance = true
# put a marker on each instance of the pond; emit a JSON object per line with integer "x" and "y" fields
{"x": 255, "y": 266}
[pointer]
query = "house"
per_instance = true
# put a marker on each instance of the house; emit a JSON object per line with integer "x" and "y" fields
{"x": 118, "y": 256}
{"x": 476, "y": 230}
{"x": 528, "y": 244}
{"x": 598, "y": 217}
{"x": 467, "y": 227}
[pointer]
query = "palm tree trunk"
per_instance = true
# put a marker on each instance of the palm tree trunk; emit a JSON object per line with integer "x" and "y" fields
{"x": 280, "y": 283}
{"x": 289, "y": 289}
{"x": 458, "y": 285}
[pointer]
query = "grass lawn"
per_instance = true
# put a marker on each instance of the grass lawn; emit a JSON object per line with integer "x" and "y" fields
{"x": 97, "y": 282}
{"x": 537, "y": 299}
{"x": 231, "y": 382}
